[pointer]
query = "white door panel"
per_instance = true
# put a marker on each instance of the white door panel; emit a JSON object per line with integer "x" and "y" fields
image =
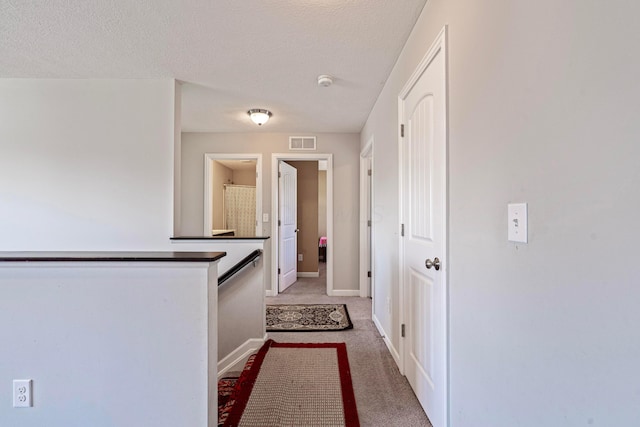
{"x": 421, "y": 350}
{"x": 424, "y": 202}
{"x": 288, "y": 187}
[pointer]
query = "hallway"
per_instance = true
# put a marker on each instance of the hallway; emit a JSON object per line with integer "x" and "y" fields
{"x": 383, "y": 396}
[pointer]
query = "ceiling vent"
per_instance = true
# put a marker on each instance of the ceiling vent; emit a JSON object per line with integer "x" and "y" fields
{"x": 302, "y": 143}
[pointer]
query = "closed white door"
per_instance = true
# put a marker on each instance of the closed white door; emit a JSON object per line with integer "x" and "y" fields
{"x": 288, "y": 225}
{"x": 424, "y": 204}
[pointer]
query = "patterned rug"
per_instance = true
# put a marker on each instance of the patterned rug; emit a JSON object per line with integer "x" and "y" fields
{"x": 307, "y": 317}
{"x": 229, "y": 388}
{"x": 293, "y": 384}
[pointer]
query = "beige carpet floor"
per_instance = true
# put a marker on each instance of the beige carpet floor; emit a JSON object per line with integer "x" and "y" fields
{"x": 383, "y": 395}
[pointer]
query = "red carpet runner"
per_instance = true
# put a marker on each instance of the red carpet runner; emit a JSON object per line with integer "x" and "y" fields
{"x": 293, "y": 384}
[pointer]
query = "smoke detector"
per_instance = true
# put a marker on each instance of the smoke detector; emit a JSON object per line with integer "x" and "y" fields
{"x": 325, "y": 80}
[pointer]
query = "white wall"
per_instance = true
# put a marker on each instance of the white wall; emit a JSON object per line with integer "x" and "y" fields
{"x": 86, "y": 164}
{"x": 110, "y": 344}
{"x": 543, "y": 99}
{"x": 241, "y": 310}
{"x": 345, "y": 150}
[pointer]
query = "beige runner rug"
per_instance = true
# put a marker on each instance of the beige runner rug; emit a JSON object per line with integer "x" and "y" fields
{"x": 297, "y": 385}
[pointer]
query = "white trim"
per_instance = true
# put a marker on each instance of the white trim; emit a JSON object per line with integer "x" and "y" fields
{"x": 400, "y": 303}
{"x": 308, "y": 274}
{"x": 177, "y": 157}
{"x": 235, "y": 360}
{"x": 207, "y": 208}
{"x": 366, "y": 156}
{"x": 438, "y": 45}
{"x": 387, "y": 341}
{"x": 345, "y": 293}
{"x": 275, "y": 159}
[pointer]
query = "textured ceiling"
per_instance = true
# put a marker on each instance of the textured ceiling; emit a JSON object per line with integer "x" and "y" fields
{"x": 232, "y": 55}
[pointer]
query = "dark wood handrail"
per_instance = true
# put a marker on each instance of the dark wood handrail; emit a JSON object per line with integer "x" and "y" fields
{"x": 239, "y": 266}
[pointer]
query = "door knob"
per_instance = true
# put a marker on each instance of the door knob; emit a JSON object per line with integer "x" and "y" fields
{"x": 435, "y": 263}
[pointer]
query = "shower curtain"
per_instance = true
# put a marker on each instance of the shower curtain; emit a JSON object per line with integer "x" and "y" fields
{"x": 240, "y": 209}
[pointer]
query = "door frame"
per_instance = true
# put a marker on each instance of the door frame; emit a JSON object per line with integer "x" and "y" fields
{"x": 366, "y": 207}
{"x": 438, "y": 46}
{"x": 275, "y": 159}
{"x": 208, "y": 172}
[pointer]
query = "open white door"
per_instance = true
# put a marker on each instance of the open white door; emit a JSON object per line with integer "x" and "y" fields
{"x": 366, "y": 221}
{"x": 424, "y": 245}
{"x": 369, "y": 225}
{"x": 288, "y": 225}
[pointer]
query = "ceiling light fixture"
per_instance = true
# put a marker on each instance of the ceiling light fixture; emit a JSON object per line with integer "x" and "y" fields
{"x": 259, "y": 115}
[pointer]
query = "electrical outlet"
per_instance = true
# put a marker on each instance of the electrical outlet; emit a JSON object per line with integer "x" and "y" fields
{"x": 22, "y": 393}
{"x": 299, "y": 257}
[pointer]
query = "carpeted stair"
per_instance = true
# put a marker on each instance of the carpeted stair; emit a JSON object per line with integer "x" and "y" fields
{"x": 228, "y": 389}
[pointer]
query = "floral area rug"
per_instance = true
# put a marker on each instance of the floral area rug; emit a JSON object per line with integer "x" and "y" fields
{"x": 307, "y": 317}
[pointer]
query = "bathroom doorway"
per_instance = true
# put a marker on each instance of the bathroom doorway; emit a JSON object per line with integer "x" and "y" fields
{"x": 232, "y": 195}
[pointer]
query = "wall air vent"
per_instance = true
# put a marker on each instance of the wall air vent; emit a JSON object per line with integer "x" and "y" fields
{"x": 302, "y": 143}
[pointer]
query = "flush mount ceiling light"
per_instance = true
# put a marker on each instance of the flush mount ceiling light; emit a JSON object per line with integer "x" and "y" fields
{"x": 259, "y": 116}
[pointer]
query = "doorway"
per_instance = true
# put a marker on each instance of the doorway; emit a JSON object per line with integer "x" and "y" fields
{"x": 232, "y": 195}
{"x": 309, "y": 161}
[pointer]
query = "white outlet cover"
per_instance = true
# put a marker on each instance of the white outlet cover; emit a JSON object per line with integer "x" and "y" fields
{"x": 22, "y": 393}
{"x": 517, "y": 222}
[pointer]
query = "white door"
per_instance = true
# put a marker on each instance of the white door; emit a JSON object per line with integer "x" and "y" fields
{"x": 287, "y": 210}
{"x": 369, "y": 224}
{"x": 424, "y": 204}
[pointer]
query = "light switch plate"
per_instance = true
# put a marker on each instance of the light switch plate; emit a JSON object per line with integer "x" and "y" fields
{"x": 517, "y": 226}
{"x": 265, "y": 217}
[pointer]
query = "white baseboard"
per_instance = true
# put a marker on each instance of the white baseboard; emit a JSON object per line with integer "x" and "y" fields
{"x": 235, "y": 360}
{"x": 308, "y": 274}
{"x": 387, "y": 341}
{"x": 270, "y": 293}
{"x": 345, "y": 293}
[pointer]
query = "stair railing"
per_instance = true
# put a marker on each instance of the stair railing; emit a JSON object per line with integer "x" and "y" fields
{"x": 237, "y": 268}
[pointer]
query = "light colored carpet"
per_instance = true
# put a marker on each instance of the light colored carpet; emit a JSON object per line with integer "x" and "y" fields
{"x": 383, "y": 396}
{"x": 296, "y": 386}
